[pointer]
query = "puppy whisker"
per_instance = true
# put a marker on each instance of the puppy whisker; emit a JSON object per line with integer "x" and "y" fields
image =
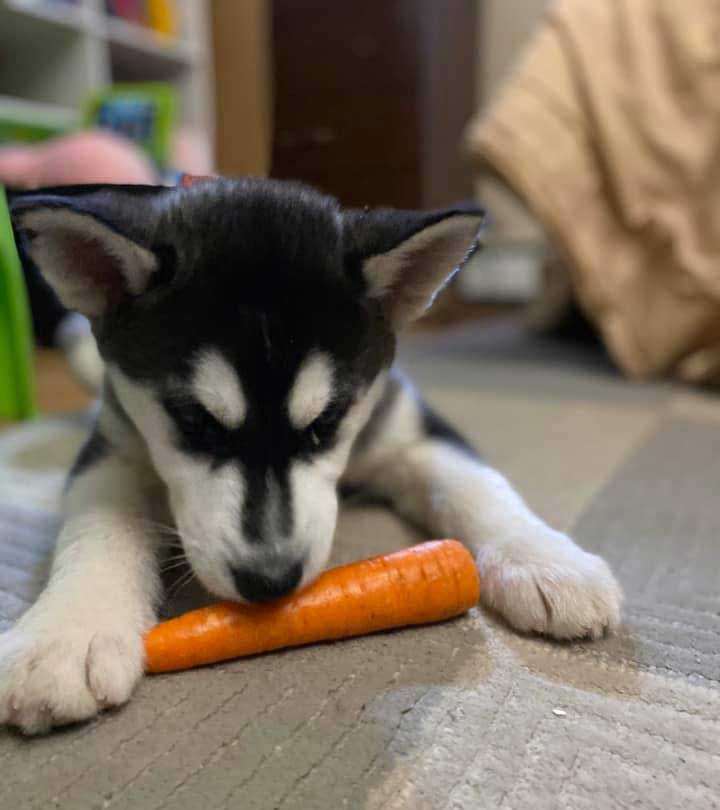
{"x": 172, "y": 557}
{"x": 181, "y": 584}
{"x": 162, "y": 528}
{"x": 178, "y": 564}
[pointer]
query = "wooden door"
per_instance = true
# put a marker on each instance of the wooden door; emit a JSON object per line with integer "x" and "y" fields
{"x": 371, "y": 97}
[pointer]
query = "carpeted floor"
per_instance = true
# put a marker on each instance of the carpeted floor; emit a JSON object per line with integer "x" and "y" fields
{"x": 462, "y": 715}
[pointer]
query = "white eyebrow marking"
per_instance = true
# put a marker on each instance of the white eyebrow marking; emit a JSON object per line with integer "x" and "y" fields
{"x": 311, "y": 391}
{"x": 217, "y": 387}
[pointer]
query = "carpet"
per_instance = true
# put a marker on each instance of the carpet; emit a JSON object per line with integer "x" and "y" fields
{"x": 466, "y": 714}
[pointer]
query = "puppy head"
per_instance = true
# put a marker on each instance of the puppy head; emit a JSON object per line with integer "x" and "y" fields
{"x": 246, "y": 326}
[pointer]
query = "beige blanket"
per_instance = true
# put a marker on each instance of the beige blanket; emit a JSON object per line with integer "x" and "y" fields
{"x": 610, "y": 129}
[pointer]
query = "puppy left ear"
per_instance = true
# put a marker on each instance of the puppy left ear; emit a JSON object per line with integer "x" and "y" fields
{"x": 407, "y": 257}
{"x": 90, "y": 263}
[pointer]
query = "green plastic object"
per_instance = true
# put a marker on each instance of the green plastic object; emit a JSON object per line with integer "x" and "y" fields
{"x": 27, "y": 133}
{"x": 17, "y": 390}
{"x": 23, "y": 123}
{"x": 144, "y": 112}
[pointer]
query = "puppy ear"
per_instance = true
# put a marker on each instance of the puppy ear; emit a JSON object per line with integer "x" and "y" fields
{"x": 87, "y": 255}
{"x": 407, "y": 257}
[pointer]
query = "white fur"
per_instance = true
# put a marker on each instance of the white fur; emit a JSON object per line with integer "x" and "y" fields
{"x": 59, "y": 232}
{"x": 218, "y": 388}
{"x": 206, "y": 502}
{"x": 211, "y": 534}
{"x": 79, "y": 647}
{"x": 401, "y": 427}
{"x": 535, "y": 577}
{"x": 311, "y": 391}
{"x": 74, "y": 335}
{"x": 315, "y": 507}
{"x": 314, "y": 487}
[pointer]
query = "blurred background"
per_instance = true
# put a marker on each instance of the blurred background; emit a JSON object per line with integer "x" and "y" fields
{"x": 555, "y": 115}
{"x": 368, "y": 101}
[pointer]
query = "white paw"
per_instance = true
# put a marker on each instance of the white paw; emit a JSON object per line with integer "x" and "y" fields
{"x": 547, "y": 584}
{"x": 54, "y": 672}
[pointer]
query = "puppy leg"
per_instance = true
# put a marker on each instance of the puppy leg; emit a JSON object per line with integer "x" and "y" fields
{"x": 79, "y": 649}
{"x": 538, "y": 579}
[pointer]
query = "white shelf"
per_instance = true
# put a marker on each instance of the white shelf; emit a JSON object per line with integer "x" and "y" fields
{"x": 145, "y": 40}
{"x": 83, "y": 18}
{"x": 36, "y": 112}
{"x": 74, "y": 16}
{"x": 139, "y": 51}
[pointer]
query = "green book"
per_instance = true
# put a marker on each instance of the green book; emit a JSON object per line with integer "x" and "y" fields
{"x": 144, "y": 112}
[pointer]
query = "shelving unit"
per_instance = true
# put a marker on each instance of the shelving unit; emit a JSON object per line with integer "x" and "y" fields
{"x": 53, "y": 55}
{"x": 36, "y": 112}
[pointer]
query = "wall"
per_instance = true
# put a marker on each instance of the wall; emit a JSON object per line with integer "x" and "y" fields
{"x": 504, "y": 28}
{"x": 509, "y": 269}
{"x": 243, "y": 85}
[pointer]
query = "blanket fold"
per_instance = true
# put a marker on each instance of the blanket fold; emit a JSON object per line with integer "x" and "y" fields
{"x": 609, "y": 128}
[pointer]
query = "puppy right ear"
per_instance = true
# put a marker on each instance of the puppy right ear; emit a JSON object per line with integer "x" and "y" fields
{"x": 407, "y": 256}
{"x": 82, "y": 250}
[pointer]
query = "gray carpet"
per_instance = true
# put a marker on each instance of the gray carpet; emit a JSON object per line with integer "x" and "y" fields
{"x": 462, "y": 715}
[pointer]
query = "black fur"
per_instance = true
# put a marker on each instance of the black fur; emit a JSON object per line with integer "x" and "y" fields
{"x": 94, "y": 449}
{"x": 110, "y": 398}
{"x": 257, "y": 271}
{"x": 375, "y": 231}
{"x": 436, "y": 427}
{"x": 385, "y": 404}
{"x": 263, "y": 272}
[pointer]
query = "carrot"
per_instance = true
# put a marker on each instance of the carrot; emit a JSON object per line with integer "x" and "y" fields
{"x": 426, "y": 583}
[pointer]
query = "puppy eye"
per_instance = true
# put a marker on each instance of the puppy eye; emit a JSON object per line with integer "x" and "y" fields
{"x": 314, "y": 437}
{"x": 189, "y": 415}
{"x": 196, "y": 424}
{"x": 321, "y": 431}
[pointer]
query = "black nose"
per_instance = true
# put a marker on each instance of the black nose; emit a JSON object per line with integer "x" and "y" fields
{"x": 257, "y": 586}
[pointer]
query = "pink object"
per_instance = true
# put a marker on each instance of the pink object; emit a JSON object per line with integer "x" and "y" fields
{"x": 191, "y": 152}
{"x": 129, "y": 9}
{"x": 83, "y": 157}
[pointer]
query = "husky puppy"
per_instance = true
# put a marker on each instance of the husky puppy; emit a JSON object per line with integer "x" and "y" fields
{"x": 248, "y": 329}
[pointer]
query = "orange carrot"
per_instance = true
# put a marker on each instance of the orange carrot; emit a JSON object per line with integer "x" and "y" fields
{"x": 426, "y": 583}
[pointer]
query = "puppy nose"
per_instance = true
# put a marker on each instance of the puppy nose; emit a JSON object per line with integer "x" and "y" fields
{"x": 259, "y": 586}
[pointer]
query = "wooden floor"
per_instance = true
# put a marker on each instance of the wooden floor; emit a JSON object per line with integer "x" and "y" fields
{"x": 57, "y": 390}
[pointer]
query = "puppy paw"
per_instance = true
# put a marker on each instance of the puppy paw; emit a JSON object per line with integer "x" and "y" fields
{"x": 547, "y": 584}
{"x": 57, "y": 673}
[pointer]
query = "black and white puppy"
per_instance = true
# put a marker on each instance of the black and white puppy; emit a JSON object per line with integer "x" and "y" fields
{"x": 248, "y": 329}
